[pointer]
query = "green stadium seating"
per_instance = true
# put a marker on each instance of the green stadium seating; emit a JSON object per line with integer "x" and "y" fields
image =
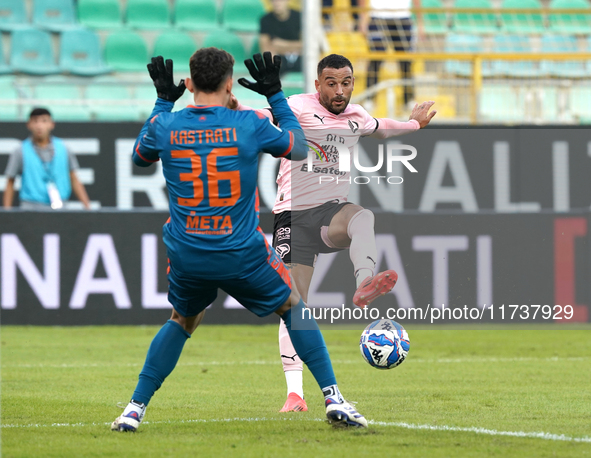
{"x": 148, "y": 14}
{"x": 434, "y": 23}
{"x": 580, "y": 103}
{"x": 100, "y": 14}
{"x": 66, "y": 94}
{"x": 32, "y": 52}
{"x": 242, "y": 15}
{"x": 8, "y": 94}
{"x": 512, "y": 44}
{"x": 199, "y": 15}
{"x": 4, "y": 67}
{"x": 500, "y": 103}
{"x": 13, "y": 15}
{"x": 474, "y": 22}
{"x": 565, "y": 69}
{"x": 145, "y": 97}
{"x": 522, "y": 23}
{"x": 460, "y": 43}
{"x": 176, "y": 46}
{"x": 293, "y": 83}
{"x": 570, "y": 23}
{"x": 230, "y": 43}
{"x": 111, "y": 103}
{"x": 80, "y": 53}
{"x": 54, "y": 15}
{"x": 548, "y": 96}
{"x": 248, "y": 97}
{"x": 126, "y": 52}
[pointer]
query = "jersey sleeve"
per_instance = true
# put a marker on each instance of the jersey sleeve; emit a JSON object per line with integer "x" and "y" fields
{"x": 272, "y": 139}
{"x": 15, "y": 163}
{"x": 145, "y": 149}
{"x": 72, "y": 161}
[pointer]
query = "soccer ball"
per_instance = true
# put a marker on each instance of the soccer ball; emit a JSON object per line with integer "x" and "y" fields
{"x": 384, "y": 344}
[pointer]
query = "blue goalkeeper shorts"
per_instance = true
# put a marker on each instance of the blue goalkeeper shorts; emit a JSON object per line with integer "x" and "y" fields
{"x": 262, "y": 290}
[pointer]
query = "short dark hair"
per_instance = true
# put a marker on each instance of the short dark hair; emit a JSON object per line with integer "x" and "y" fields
{"x": 210, "y": 67}
{"x": 334, "y": 61}
{"x": 39, "y": 112}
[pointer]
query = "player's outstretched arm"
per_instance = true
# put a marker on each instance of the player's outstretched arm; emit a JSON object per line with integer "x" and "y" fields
{"x": 419, "y": 118}
{"x": 265, "y": 72}
{"x": 144, "y": 149}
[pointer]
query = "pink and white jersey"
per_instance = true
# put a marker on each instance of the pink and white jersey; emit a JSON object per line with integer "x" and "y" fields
{"x": 300, "y": 188}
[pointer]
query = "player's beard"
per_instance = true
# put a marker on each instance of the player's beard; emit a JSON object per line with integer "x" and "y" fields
{"x": 336, "y": 109}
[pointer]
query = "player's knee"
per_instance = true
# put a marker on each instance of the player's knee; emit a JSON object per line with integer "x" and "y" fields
{"x": 189, "y": 323}
{"x": 364, "y": 219}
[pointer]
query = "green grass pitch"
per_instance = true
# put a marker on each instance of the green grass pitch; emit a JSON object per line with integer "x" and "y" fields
{"x": 467, "y": 393}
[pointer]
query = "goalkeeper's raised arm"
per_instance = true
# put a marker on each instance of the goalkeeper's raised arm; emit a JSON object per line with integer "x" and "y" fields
{"x": 265, "y": 71}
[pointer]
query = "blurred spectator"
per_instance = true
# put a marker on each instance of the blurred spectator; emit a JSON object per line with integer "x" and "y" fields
{"x": 48, "y": 169}
{"x": 280, "y": 33}
{"x": 389, "y": 24}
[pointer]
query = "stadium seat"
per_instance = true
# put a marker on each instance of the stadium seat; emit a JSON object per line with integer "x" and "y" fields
{"x": 199, "y": 15}
{"x": 176, "y": 46}
{"x": 434, "y": 23}
{"x": 474, "y": 22}
{"x": 32, "y": 52}
{"x": 145, "y": 97}
{"x": 248, "y": 97}
{"x": 13, "y": 15}
{"x": 293, "y": 83}
{"x": 564, "y": 69}
{"x": 522, "y": 23}
{"x": 570, "y": 23}
{"x": 512, "y": 44}
{"x": 80, "y": 53}
{"x": 148, "y": 14}
{"x": 54, "y": 15}
{"x": 100, "y": 14}
{"x": 230, "y": 43}
{"x": 111, "y": 103}
{"x": 458, "y": 43}
{"x": 8, "y": 96}
{"x": 63, "y": 100}
{"x": 242, "y": 15}
{"x": 126, "y": 52}
{"x": 499, "y": 103}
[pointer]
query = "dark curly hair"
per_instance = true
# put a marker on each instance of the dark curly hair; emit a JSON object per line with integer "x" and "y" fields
{"x": 210, "y": 67}
{"x": 334, "y": 61}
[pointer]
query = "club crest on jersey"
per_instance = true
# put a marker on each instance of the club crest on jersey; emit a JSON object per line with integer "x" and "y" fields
{"x": 283, "y": 249}
{"x": 353, "y": 126}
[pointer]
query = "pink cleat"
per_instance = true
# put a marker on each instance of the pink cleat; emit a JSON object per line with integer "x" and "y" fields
{"x": 375, "y": 286}
{"x": 294, "y": 404}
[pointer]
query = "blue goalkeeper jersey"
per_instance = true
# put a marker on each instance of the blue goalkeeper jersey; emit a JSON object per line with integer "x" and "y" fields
{"x": 209, "y": 157}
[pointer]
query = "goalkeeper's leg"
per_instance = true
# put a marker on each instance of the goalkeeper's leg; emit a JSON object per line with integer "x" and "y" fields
{"x": 309, "y": 345}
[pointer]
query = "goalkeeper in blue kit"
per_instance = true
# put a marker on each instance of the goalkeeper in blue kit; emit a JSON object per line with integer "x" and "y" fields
{"x": 209, "y": 156}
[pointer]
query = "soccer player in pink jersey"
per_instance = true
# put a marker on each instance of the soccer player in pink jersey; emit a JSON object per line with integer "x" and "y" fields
{"x": 313, "y": 217}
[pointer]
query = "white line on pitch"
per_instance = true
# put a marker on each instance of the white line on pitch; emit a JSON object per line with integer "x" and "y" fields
{"x": 473, "y": 429}
{"x": 336, "y": 361}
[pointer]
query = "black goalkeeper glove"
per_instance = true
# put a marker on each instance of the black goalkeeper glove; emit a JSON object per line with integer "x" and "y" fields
{"x": 265, "y": 74}
{"x": 162, "y": 76}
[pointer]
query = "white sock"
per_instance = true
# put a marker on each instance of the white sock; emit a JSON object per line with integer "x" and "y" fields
{"x": 363, "y": 251}
{"x": 295, "y": 383}
{"x": 135, "y": 406}
{"x": 333, "y": 394}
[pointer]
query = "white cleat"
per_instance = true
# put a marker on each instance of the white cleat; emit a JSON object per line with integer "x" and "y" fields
{"x": 344, "y": 414}
{"x": 131, "y": 418}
